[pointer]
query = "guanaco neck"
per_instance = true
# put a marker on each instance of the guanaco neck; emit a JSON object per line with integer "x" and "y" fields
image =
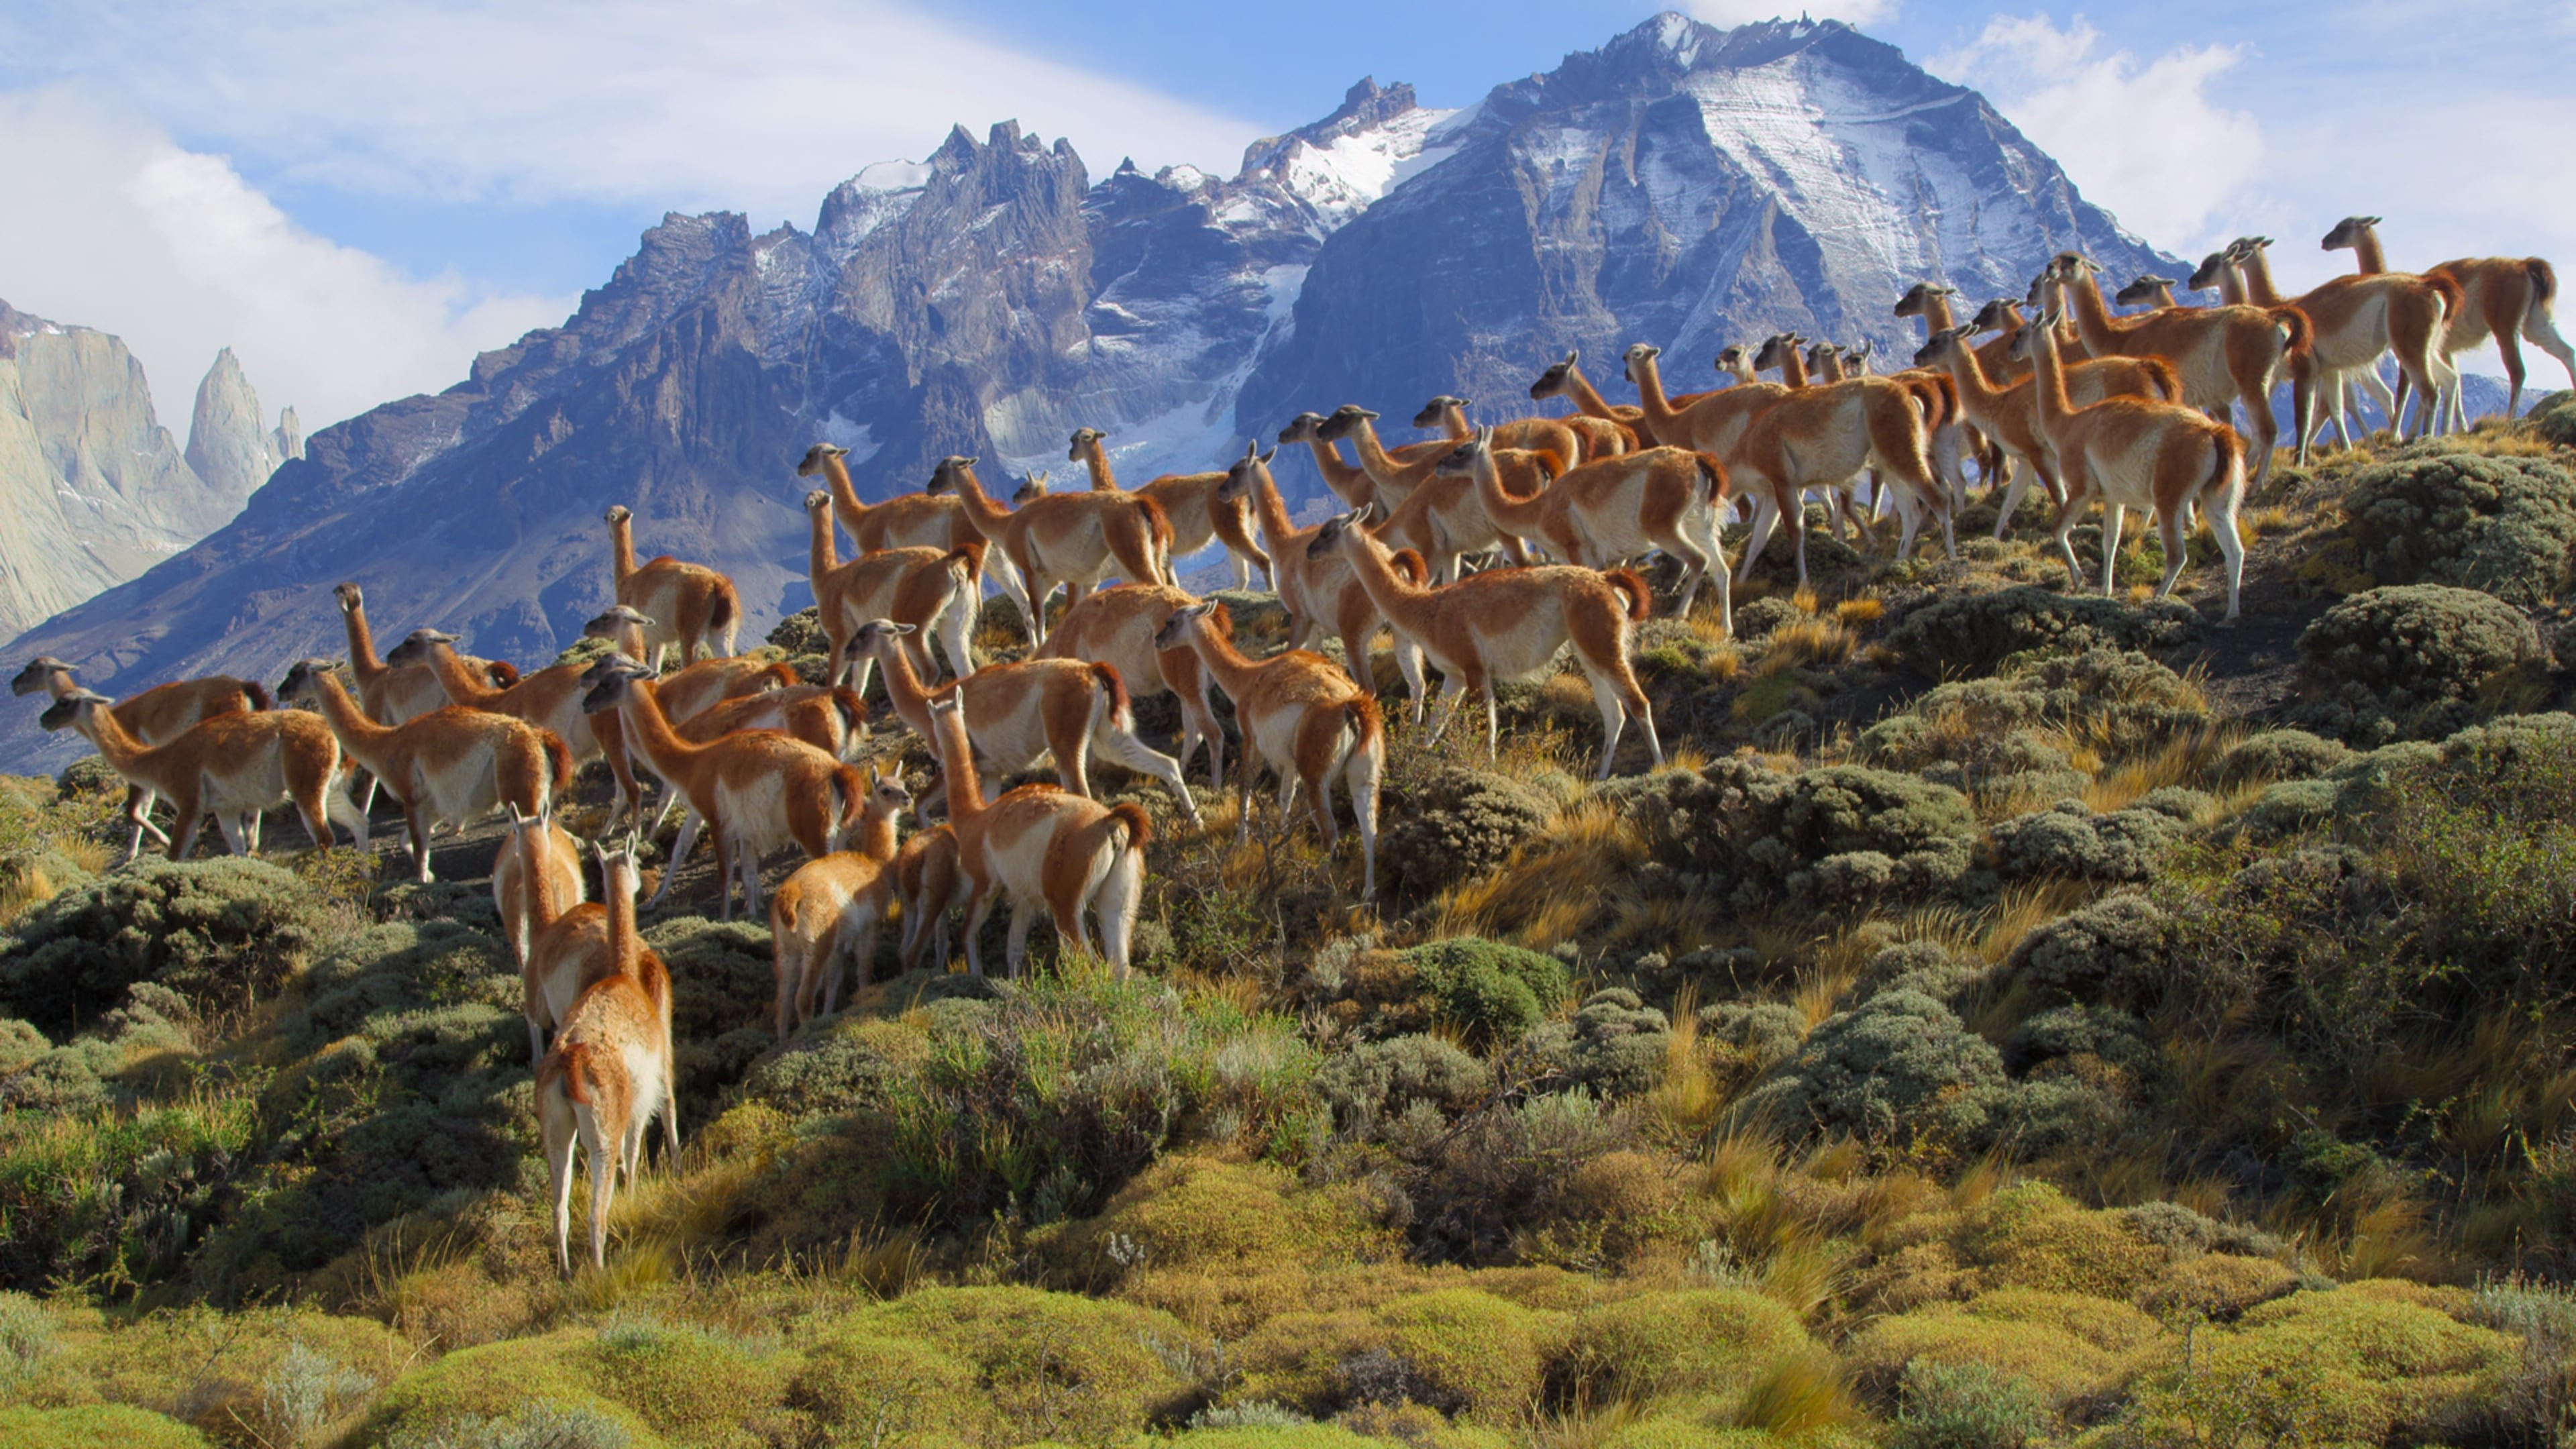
{"x": 1587, "y": 399}
{"x": 1936, "y": 313}
{"x": 362, "y": 737}
{"x": 1513, "y": 515}
{"x": 876, "y": 832}
{"x": 2256, "y": 274}
{"x": 1793, "y": 367}
{"x": 124, "y": 753}
{"x": 823, "y": 552}
{"x": 1375, "y": 569}
{"x": 1350, "y": 484}
{"x": 1453, "y": 424}
{"x": 536, "y": 857}
{"x": 989, "y": 517}
{"x": 2367, "y": 258}
{"x": 650, "y": 730}
{"x": 364, "y": 661}
{"x": 1650, "y": 393}
{"x": 1233, "y": 670}
{"x": 1374, "y": 459}
{"x": 957, "y": 765}
{"x": 1975, "y": 390}
{"x": 625, "y": 946}
{"x": 845, "y": 499}
{"x": 910, "y": 697}
{"x": 59, "y": 682}
{"x": 621, "y": 545}
{"x": 1096, "y": 458}
{"x": 2093, "y": 321}
{"x": 1272, "y": 509}
{"x": 2049, "y": 379}
{"x": 459, "y": 682}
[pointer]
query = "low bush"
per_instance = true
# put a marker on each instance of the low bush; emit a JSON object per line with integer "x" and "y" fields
{"x": 1966, "y": 1406}
{"x": 2112, "y": 952}
{"x": 1688, "y": 1343}
{"x": 2064, "y": 1346}
{"x": 1492, "y": 991}
{"x": 1374, "y": 1082}
{"x": 1968, "y": 634}
{"x": 2502, "y": 525}
{"x": 1899, "y": 1068}
{"x": 1451, "y": 825}
{"x": 1844, "y": 835}
{"x": 2281, "y": 755}
{"x": 217, "y": 931}
{"x": 2073, "y": 841}
{"x": 2406, "y": 660}
{"x": 1614, "y": 1045}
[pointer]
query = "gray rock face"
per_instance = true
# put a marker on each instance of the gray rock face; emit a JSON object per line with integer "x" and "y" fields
{"x": 228, "y": 449}
{"x": 286, "y": 440}
{"x": 1683, "y": 185}
{"x": 93, "y": 490}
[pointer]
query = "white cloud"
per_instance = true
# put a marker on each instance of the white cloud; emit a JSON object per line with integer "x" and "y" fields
{"x": 111, "y": 225}
{"x": 670, "y": 102}
{"x": 2144, "y": 139}
{"x": 1745, "y": 12}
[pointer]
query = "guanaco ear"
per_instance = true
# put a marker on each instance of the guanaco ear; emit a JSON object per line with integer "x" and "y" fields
{"x": 1273, "y": 453}
{"x": 1485, "y": 437}
{"x": 1573, "y": 355}
{"x": 817, "y": 500}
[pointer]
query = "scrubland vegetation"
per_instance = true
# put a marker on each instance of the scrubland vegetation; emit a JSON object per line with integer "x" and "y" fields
{"x": 2013, "y": 1018}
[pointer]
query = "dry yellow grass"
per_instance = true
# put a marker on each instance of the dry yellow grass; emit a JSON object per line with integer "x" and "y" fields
{"x": 1858, "y": 613}
{"x": 1814, "y": 640}
{"x": 1553, "y": 885}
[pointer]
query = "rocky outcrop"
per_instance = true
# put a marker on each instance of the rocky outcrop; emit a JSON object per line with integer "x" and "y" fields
{"x": 286, "y": 441}
{"x": 227, "y": 447}
{"x": 1683, "y": 184}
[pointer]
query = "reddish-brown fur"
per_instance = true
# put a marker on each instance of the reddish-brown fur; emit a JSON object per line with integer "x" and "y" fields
{"x": 830, "y": 909}
{"x": 2008, "y": 415}
{"x": 923, "y": 587}
{"x": 156, "y": 716}
{"x": 1189, "y": 500}
{"x": 551, "y": 698}
{"x": 696, "y": 606}
{"x": 235, "y": 764}
{"x": 1609, "y": 511}
{"x": 588, "y": 1097}
{"x": 1320, "y": 592}
{"x": 1078, "y": 539}
{"x": 2227, "y": 356}
{"x": 1116, "y": 626}
{"x": 2509, "y": 300}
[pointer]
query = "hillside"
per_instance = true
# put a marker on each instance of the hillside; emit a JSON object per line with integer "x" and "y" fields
{"x": 1682, "y": 184}
{"x": 2012, "y": 1016}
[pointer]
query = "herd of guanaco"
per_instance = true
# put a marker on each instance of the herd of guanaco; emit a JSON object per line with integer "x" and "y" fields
{"x": 2131, "y": 409}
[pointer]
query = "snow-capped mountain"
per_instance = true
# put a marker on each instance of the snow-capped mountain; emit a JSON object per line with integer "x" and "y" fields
{"x": 1683, "y": 184}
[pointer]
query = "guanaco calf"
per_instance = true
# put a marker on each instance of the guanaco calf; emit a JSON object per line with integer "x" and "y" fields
{"x": 935, "y": 591}
{"x": 697, "y": 608}
{"x": 1607, "y": 512}
{"x": 1117, "y": 627}
{"x": 930, "y": 883}
{"x": 156, "y": 716}
{"x": 610, "y": 1071}
{"x": 1024, "y": 711}
{"x": 236, "y": 765}
{"x": 829, "y": 911}
{"x": 1507, "y": 624}
{"x": 1302, "y": 715}
{"x": 536, "y": 878}
{"x": 2133, "y": 453}
{"x": 1040, "y": 847}
{"x": 549, "y": 698}
{"x": 757, "y": 790}
{"x": 1073, "y": 539}
{"x": 449, "y": 765}
{"x": 1322, "y": 594}
{"x": 1189, "y": 500}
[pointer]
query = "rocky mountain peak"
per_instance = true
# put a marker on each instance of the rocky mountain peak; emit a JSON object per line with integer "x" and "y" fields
{"x": 228, "y": 448}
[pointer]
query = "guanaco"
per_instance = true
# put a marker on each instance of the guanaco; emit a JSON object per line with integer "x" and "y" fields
{"x": 1116, "y": 627}
{"x": 1021, "y": 712}
{"x": 931, "y": 884}
{"x": 1322, "y": 595}
{"x": 550, "y": 698}
{"x": 702, "y": 685}
{"x": 1824, "y": 437}
{"x": 829, "y": 911}
{"x": 1073, "y": 539}
{"x": 1040, "y": 847}
{"x": 2506, "y": 300}
{"x": 449, "y": 765}
{"x": 1605, "y": 513}
{"x": 156, "y": 716}
{"x": 1713, "y": 421}
{"x": 236, "y": 765}
{"x": 697, "y": 608}
{"x": 536, "y": 877}
{"x": 392, "y": 695}
{"x": 935, "y": 591}
{"x": 1566, "y": 380}
{"x": 2008, "y": 414}
{"x": 2133, "y": 453}
{"x": 1303, "y": 716}
{"x": 1559, "y": 436}
{"x": 610, "y": 1071}
{"x": 1189, "y": 500}
{"x": 756, "y": 790}
{"x": 1507, "y": 624}
{"x": 1393, "y": 476}
{"x": 1349, "y": 483}
{"x": 2355, "y": 321}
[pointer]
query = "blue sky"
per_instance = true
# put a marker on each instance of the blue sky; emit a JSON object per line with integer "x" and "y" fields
{"x": 359, "y": 197}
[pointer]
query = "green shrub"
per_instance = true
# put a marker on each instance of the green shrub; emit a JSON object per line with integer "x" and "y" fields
{"x": 1695, "y": 1342}
{"x": 1495, "y": 992}
{"x": 2112, "y": 1037}
{"x": 2180, "y": 1231}
{"x": 1965, "y": 634}
{"x": 95, "y": 1424}
{"x": 1967, "y": 1406}
{"x": 1897, "y": 1068}
{"x": 1054, "y": 1365}
{"x": 1761, "y": 617}
{"x": 1466, "y": 1352}
{"x": 1452, "y": 825}
{"x": 2112, "y": 952}
{"x": 1478, "y": 1188}
{"x": 2072, "y": 840}
{"x": 2407, "y": 660}
{"x": 1843, "y": 835}
{"x": 1614, "y": 1045}
{"x": 723, "y": 987}
{"x": 2281, "y": 755}
{"x": 2066, "y": 1346}
{"x": 800, "y": 633}
{"x": 1917, "y": 966}
{"x": 2497, "y": 524}
{"x": 1383, "y": 1080}
{"x": 216, "y": 931}
{"x": 1766, "y": 1031}
{"x": 27, "y": 1336}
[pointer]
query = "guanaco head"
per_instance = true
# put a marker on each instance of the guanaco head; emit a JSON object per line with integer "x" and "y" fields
{"x": 610, "y": 691}
{"x": 416, "y": 645}
{"x": 1303, "y": 428}
{"x": 1938, "y": 348}
{"x": 39, "y": 674}
{"x": 2348, "y": 233}
{"x": 816, "y": 456}
{"x": 1824, "y": 357}
{"x": 1460, "y": 461}
{"x": 1430, "y": 416}
{"x": 2212, "y": 271}
{"x": 943, "y": 479}
{"x": 1638, "y": 353}
{"x": 879, "y": 634}
{"x": 1244, "y": 473}
{"x": 1734, "y": 361}
{"x": 1084, "y": 440}
{"x": 1996, "y": 316}
{"x": 816, "y": 500}
{"x": 303, "y": 681}
{"x": 2026, "y": 337}
{"x": 1857, "y": 358}
{"x": 2039, "y": 285}
{"x": 71, "y": 709}
{"x": 616, "y": 620}
{"x": 619, "y": 875}
{"x": 887, "y": 794}
{"x": 1176, "y": 630}
{"x": 1554, "y": 380}
{"x": 617, "y": 513}
{"x": 608, "y": 664}
{"x": 351, "y": 597}
{"x": 1344, "y": 419}
{"x": 1031, "y": 489}
{"x": 1775, "y": 350}
{"x": 1918, "y": 298}
{"x": 1329, "y": 534}
{"x": 2148, "y": 286}
{"x": 2071, "y": 268}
